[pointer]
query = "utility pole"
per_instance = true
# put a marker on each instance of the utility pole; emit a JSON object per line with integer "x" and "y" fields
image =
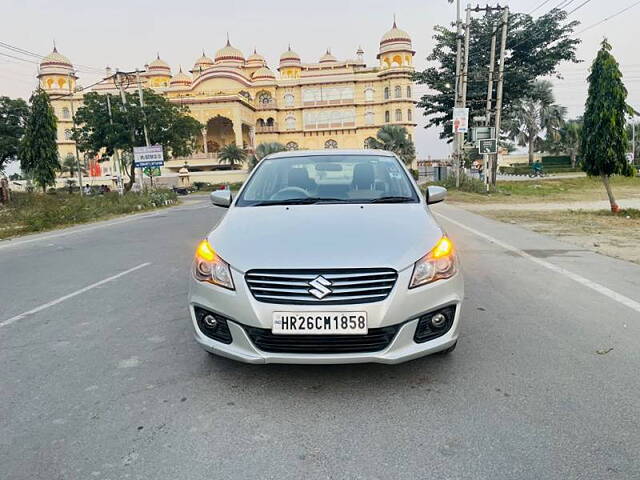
{"x": 456, "y": 137}
{"x": 492, "y": 60}
{"x": 117, "y": 164}
{"x": 144, "y": 125}
{"x": 73, "y": 120}
{"x": 499, "y": 90}
{"x": 119, "y": 81}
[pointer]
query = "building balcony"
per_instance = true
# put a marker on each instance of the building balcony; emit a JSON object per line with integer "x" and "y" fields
{"x": 267, "y": 128}
{"x": 270, "y": 105}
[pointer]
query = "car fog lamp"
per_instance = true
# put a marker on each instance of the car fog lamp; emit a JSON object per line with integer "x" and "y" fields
{"x": 438, "y": 320}
{"x": 210, "y": 321}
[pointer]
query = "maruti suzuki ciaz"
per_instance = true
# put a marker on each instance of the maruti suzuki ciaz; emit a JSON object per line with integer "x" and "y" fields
{"x": 328, "y": 256}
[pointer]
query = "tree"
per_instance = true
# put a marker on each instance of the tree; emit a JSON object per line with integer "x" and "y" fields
{"x": 38, "y": 150}
{"x": 395, "y": 139}
{"x": 232, "y": 154}
{"x": 13, "y": 118}
{"x": 535, "y": 47}
{"x": 567, "y": 141}
{"x": 69, "y": 166}
{"x": 263, "y": 150}
{"x": 168, "y": 124}
{"x": 534, "y": 115}
{"x": 604, "y": 138}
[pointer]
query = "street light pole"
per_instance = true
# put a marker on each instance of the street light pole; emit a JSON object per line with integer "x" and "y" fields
{"x": 115, "y": 152}
{"x": 458, "y": 90}
{"x": 75, "y": 144}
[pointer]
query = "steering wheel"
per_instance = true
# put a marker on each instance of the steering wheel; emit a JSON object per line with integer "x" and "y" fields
{"x": 289, "y": 193}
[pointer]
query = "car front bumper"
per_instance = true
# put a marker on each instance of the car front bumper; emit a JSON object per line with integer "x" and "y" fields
{"x": 402, "y": 307}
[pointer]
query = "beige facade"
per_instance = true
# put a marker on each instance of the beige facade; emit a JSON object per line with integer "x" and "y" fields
{"x": 327, "y": 104}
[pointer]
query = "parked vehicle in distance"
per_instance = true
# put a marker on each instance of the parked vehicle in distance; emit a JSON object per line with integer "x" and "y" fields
{"x": 327, "y": 257}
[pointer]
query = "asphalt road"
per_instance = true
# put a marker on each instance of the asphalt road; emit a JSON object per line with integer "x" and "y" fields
{"x": 100, "y": 377}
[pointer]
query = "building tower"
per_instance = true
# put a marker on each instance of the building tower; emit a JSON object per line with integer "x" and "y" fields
{"x": 395, "y": 49}
{"x": 290, "y": 64}
{"x": 158, "y": 73}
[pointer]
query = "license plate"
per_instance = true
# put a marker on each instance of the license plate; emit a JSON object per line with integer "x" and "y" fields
{"x": 320, "y": 323}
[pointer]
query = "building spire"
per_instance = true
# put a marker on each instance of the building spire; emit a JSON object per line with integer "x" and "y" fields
{"x": 55, "y": 49}
{"x": 228, "y": 42}
{"x": 394, "y": 21}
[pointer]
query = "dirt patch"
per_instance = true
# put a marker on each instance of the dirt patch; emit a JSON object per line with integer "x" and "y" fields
{"x": 613, "y": 235}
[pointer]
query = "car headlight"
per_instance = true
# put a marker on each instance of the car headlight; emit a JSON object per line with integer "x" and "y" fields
{"x": 209, "y": 267}
{"x": 439, "y": 263}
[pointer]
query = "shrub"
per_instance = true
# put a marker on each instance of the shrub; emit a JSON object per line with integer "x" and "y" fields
{"x": 467, "y": 184}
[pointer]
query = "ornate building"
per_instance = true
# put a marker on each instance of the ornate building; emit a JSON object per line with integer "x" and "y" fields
{"x": 330, "y": 103}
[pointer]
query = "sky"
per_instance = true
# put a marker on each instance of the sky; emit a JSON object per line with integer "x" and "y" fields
{"x": 128, "y": 34}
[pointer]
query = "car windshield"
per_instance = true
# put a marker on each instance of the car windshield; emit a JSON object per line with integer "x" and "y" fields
{"x": 328, "y": 179}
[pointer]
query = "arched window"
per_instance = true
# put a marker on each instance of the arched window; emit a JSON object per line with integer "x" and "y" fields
{"x": 398, "y": 115}
{"x": 368, "y": 94}
{"x": 369, "y": 118}
{"x": 264, "y": 97}
{"x": 260, "y": 122}
{"x": 290, "y": 123}
{"x": 330, "y": 144}
{"x": 398, "y": 91}
{"x": 291, "y": 146}
{"x": 409, "y": 115}
{"x": 270, "y": 122}
{"x": 369, "y": 142}
{"x": 65, "y": 113}
{"x": 408, "y": 91}
{"x": 387, "y": 117}
{"x": 386, "y": 93}
{"x": 289, "y": 100}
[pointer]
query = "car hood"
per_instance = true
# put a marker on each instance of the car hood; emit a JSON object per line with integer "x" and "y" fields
{"x": 325, "y": 236}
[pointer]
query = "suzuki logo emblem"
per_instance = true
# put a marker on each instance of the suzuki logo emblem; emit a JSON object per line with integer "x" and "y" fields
{"x": 319, "y": 285}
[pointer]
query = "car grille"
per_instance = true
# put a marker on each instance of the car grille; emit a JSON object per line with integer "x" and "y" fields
{"x": 346, "y": 286}
{"x": 377, "y": 339}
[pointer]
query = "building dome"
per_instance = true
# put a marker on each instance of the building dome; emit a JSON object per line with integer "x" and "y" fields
{"x": 159, "y": 67}
{"x": 263, "y": 73}
{"x": 56, "y": 63}
{"x": 327, "y": 57}
{"x": 202, "y": 63}
{"x": 180, "y": 79}
{"x": 229, "y": 54}
{"x": 256, "y": 60}
{"x": 290, "y": 59}
{"x": 395, "y": 40}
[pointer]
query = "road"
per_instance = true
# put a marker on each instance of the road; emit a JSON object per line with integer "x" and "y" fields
{"x": 101, "y": 377}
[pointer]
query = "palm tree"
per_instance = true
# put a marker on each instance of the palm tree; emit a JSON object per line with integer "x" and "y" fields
{"x": 69, "y": 166}
{"x": 535, "y": 115}
{"x": 570, "y": 135}
{"x": 263, "y": 150}
{"x": 395, "y": 138}
{"x": 232, "y": 154}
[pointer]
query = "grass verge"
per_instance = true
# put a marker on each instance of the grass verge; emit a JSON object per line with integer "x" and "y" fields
{"x": 545, "y": 190}
{"x": 600, "y": 231}
{"x": 32, "y": 212}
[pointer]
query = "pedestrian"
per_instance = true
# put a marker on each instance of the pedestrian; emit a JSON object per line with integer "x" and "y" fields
{"x": 87, "y": 189}
{"x": 4, "y": 190}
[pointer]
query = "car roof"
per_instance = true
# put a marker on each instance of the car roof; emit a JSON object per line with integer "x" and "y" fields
{"x": 329, "y": 152}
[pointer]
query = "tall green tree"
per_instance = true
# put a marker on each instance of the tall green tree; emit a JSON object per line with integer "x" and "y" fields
{"x": 38, "y": 150}
{"x": 535, "y": 47}
{"x": 264, "y": 149}
{"x": 604, "y": 137}
{"x": 232, "y": 154}
{"x": 395, "y": 138}
{"x": 533, "y": 116}
{"x": 168, "y": 124}
{"x": 13, "y": 118}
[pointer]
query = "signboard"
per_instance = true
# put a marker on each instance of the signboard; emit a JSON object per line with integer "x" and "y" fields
{"x": 148, "y": 156}
{"x": 629, "y": 157}
{"x": 460, "y": 120}
{"x": 489, "y": 145}
{"x": 482, "y": 133}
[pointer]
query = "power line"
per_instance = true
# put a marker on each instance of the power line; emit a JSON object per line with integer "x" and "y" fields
{"x": 539, "y": 6}
{"x": 78, "y": 66}
{"x": 579, "y": 7}
{"x": 610, "y": 17}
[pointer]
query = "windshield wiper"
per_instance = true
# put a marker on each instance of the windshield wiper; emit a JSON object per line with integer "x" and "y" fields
{"x": 298, "y": 201}
{"x": 393, "y": 199}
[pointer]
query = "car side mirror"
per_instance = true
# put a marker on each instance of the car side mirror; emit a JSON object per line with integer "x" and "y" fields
{"x": 435, "y": 194}
{"x": 221, "y": 198}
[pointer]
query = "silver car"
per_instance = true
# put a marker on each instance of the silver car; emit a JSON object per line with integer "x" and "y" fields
{"x": 327, "y": 256}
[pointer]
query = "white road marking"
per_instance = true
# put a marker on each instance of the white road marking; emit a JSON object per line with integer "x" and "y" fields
{"x": 71, "y": 295}
{"x": 613, "y": 295}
